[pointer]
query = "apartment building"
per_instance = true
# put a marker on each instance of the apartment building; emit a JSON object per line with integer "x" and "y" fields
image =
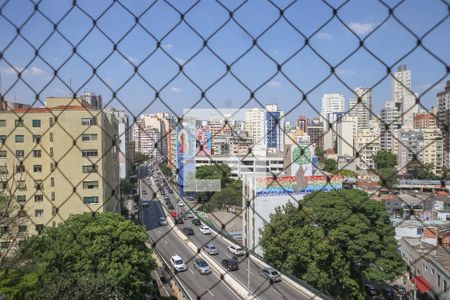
{"x": 56, "y": 161}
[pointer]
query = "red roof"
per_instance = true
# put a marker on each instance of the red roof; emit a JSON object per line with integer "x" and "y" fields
{"x": 422, "y": 285}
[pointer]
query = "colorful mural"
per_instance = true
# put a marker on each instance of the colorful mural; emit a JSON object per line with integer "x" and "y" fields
{"x": 286, "y": 185}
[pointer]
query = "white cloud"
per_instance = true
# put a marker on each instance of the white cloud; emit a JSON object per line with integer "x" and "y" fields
{"x": 180, "y": 60}
{"x": 274, "y": 84}
{"x": 324, "y": 36}
{"x": 134, "y": 60}
{"x": 175, "y": 89}
{"x": 167, "y": 46}
{"x": 345, "y": 72}
{"x": 361, "y": 28}
{"x": 33, "y": 71}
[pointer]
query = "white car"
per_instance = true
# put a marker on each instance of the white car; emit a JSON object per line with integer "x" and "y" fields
{"x": 205, "y": 229}
{"x": 236, "y": 250}
{"x": 180, "y": 203}
{"x": 177, "y": 263}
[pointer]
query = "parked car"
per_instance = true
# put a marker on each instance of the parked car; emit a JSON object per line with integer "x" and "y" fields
{"x": 270, "y": 274}
{"x": 211, "y": 249}
{"x": 202, "y": 266}
{"x": 170, "y": 205}
{"x": 189, "y": 215}
{"x": 162, "y": 221}
{"x": 205, "y": 229}
{"x": 196, "y": 222}
{"x": 180, "y": 203}
{"x": 188, "y": 231}
{"x": 236, "y": 250}
{"x": 179, "y": 220}
{"x": 399, "y": 289}
{"x": 177, "y": 263}
{"x": 388, "y": 293}
{"x": 371, "y": 289}
{"x": 230, "y": 264}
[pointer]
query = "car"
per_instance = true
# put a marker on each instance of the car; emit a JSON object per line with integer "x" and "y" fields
{"x": 371, "y": 289}
{"x": 400, "y": 289}
{"x": 162, "y": 221}
{"x": 236, "y": 250}
{"x": 145, "y": 202}
{"x": 205, "y": 229}
{"x": 189, "y": 215}
{"x": 388, "y": 293}
{"x": 180, "y": 203}
{"x": 211, "y": 249}
{"x": 202, "y": 266}
{"x": 177, "y": 263}
{"x": 271, "y": 274}
{"x": 188, "y": 231}
{"x": 230, "y": 264}
{"x": 170, "y": 205}
{"x": 179, "y": 220}
{"x": 196, "y": 222}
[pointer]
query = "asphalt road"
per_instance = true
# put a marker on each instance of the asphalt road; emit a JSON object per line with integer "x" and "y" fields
{"x": 259, "y": 286}
{"x": 198, "y": 286}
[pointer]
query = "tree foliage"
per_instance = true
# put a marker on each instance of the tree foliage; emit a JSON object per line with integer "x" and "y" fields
{"x": 87, "y": 257}
{"x": 165, "y": 170}
{"x": 385, "y": 159}
{"x": 225, "y": 198}
{"x": 347, "y": 173}
{"x": 337, "y": 240}
{"x": 416, "y": 170}
{"x": 330, "y": 165}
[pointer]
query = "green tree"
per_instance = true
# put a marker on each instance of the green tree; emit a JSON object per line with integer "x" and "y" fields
{"x": 139, "y": 158}
{"x": 215, "y": 171}
{"x": 320, "y": 153}
{"x": 385, "y": 159}
{"x": 334, "y": 242}
{"x": 165, "y": 170}
{"x": 126, "y": 187}
{"x": 330, "y": 165}
{"x": 417, "y": 170}
{"x": 225, "y": 198}
{"x": 347, "y": 173}
{"x": 87, "y": 257}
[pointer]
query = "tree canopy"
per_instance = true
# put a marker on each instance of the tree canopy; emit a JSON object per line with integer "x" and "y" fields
{"x": 87, "y": 257}
{"x": 334, "y": 242}
{"x": 385, "y": 159}
{"x": 417, "y": 170}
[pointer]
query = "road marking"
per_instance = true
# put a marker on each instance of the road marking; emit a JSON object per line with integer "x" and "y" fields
{"x": 191, "y": 271}
{"x": 275, "y": 291}
{"x": 210, "y": 292}
{"x": 165, "y": 242}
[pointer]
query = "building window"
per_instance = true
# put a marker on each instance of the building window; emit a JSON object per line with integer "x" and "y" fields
{"x": 20, "y": 138}
{"x": 51, "y": 136}
{"x": 50, "y": 121}
{"x": 23, "y": 228}
{"x": 88, "y": 121}
{"x": 20, "y": 169}
{"x": 52, "y": 167}
{"x": 2, "y": 138}
{"x": 89, "y": 137}
{"x": 3, "y": 170}
{"x": 38, "y": 198}
{"x": 37, "y": 153}
{"x": 19, "y": 123}
{"x": 90, "y": 169}
{"x": 439, "y": 280}
{"x": 38, "y": 185}
{"x": 52, "y": 181}
{"x": 39, "y": 213}
{"x": 20, "y": 154}
{"x": 433, "y": 271}
{"x": 53, "y": 196}
{"x": 51, "y": 152}
{"x": 3, "y": 154}
{"x": 21, "y": 198}
{"x": 89, "y": 153}
{"x": 90, "y": 185}
{"x": 445, "y": 285}
{"x": 39, "y": 227}
{"x": 36, "y": 138}
{"x": 36, "y": 123}
{"x": 90, "y": 200}
{"x": 2, "y": 123}
{"x": 37, "y": 168}
{"x": 21, "y": 186}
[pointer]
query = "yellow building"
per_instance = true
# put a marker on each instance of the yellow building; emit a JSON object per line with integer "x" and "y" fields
{"x": 55, "y": 161}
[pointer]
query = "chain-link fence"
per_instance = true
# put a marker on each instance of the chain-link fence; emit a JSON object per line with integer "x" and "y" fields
{"x": 189, "y": 85}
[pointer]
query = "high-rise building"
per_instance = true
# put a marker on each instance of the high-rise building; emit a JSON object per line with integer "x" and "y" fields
{"x": 331, "y": 103}
{"x": 390, "y": 126}
{"x": 443, "y": 114}
{"x": 274, "y": 128}
{"x": 93, "y": 99}
{"x": 367, "y": 144}
{"x": 347, "y": 128}
{"x": 302, "y": 123}
{"x": 401, "y": 93}
{"x": 360, "y": 106}
{"x": 255, "y": 120}
{"x": 425, "y": 120}
{"x": 54, "y": 169}
{"x": 315, "y": 132}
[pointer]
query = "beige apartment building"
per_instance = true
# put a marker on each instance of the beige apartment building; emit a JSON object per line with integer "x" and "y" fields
{"x": 56, "y": 161}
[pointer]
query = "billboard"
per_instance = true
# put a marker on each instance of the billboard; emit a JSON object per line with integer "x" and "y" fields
{"x": 185, "y": 143}
{"x": 203, "y": 141}
{"x": 288, "y": 185}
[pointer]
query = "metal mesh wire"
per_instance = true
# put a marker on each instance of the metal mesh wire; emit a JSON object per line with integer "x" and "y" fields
{"x": 160, "y": 70}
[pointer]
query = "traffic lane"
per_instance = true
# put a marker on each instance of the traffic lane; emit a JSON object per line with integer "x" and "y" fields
{"x": 203, "y": 286}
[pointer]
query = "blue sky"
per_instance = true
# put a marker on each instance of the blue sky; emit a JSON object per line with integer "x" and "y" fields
{"x": 257, "y": 69}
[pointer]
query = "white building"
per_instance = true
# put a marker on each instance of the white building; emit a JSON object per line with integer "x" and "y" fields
{"x": 401, "y": 93}
{"x": 255, "y": 125}
{"x": 367, "y": 144}
{"x": 331, "y": 103}
{"x": 390, "y": 126}
{"x": 93, "y": 99}
{"x": 363, "y": 109}
{"x": 347, "y": 128}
